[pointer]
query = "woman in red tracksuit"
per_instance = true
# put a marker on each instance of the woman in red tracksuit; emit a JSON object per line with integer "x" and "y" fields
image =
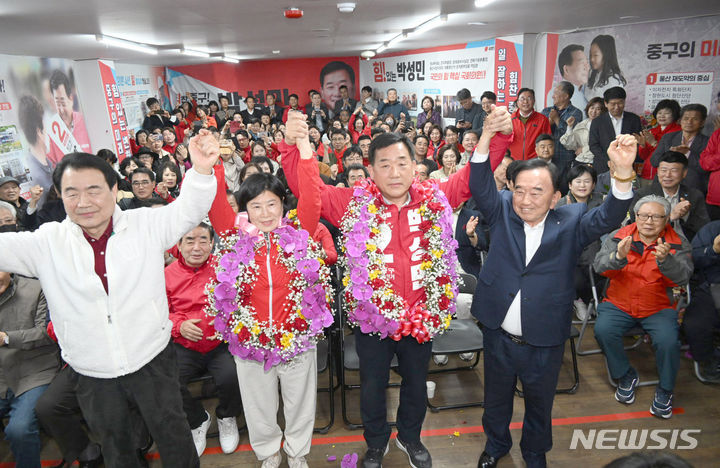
{"x": 260, "y": 200}
{"x": 358, "y": 127}
{"x": 666, "y": 113}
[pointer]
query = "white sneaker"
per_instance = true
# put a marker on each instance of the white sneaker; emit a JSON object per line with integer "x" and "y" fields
{"x": 440, "y": 359}
{"x": 466, "y": 356}
{"x": 199, "y": 435}
{"x": 298, "y": 462}
{"x": 229, "y": 435}
{"x": 273, "y": 461}
{"x": 581, "y": 309}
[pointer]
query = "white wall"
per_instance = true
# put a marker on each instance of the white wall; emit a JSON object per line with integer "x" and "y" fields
{"x": 92, "y": 95}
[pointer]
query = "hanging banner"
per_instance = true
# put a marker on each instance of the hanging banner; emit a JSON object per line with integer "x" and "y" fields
{"x": 440, "y": 73}
{"x": 116, "y": 112}
{"x": 508, "y": 72}
{"x": 678, "y": 59}
{"x": 137, "y": 83}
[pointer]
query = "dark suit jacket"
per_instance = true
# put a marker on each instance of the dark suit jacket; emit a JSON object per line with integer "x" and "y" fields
{"x": 698, "y": 215}
{"x": 156, "y": 121}
{"x": 468, "y": 255}
{"x": 257, "y": 112}
{"x": 278, "y": 113}
{"x": 547, "y": 282}
{"x": 697, "y": 177}
{"x": 339, "y": 106}
{"x": 311, "y": 120}
{"x": 602, "y": 133}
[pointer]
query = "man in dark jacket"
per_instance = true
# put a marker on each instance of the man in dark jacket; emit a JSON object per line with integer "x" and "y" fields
{"x": 391, "y": 105}
{"x": 28, "y": 362}
{"x": 689, "y": 212}
{"x": 157, "y": 117}
{"x": 610, "y": 124}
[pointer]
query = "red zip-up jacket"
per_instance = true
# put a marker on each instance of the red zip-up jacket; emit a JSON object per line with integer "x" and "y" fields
{"x": 272, "y": 287}
{"x": 710, "y": 161}
{"x": 185, "y": 287}
{"x": 354, "y": 134}
{"x": 645, "y": 151}
{"x": 523, "y": 145}
{"x": 404, "y": 222}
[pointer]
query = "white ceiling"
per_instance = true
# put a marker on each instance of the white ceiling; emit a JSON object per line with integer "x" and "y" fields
{"x": 254, "y": 28}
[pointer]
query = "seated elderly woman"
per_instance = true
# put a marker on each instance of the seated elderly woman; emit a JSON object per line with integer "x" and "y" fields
{"x": 644, "y": 260}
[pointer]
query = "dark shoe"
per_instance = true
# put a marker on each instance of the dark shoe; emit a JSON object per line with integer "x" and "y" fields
{"x": 487, "y": 461}
{"x": 625, "y": 392}
{"x": 418, "y": 455}
{"x": 373, "y": 457}
{"x": 709, "y": 371}
{"x": 662, "y": 404}
{"x": 95, "y": 463}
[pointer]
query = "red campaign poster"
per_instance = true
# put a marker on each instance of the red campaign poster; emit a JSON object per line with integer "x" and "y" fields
{"x": 115, "y": 112}
{"x": 508, "y": 74}
{"x": 259, "y": 77}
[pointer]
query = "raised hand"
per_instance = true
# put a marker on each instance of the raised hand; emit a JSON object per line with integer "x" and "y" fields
{"x": 498, "y": 120}
{"x": 622, "y": 152}
{"x": 204, "y": 151}
{"x": 471, "y": 225}
{"x": 296, "y": 127}
{"x": 570, "y": 121}
{"x": 716, "y": 244}
{"x": 662, "y": 249}
{"x": 680, "y": 210}
{"x": 162, "y": 190}
{"x": 623, "y": 248}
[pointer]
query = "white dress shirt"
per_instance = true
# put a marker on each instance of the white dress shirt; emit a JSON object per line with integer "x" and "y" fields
{"x": 617, "y": 124}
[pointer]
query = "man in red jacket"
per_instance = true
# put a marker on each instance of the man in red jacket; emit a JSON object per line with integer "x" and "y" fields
{"x": 527, "y": 126}
{"x": 198, "y": 352}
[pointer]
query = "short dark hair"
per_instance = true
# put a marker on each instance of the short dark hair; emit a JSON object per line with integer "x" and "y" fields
{"x": 616, "y": 92}
{"x": 143, "y": 170}
{"x": 534, "y": 163}
{"x": 257, "y": 160}
{"x": 58, "y": 78}
{"x": 375, "y": 132}
{"x": 244, "y": 170}
{"x": 126, "y": 162}
{"x": 388, "y": 139}
{"x": 694, "y": 107}
{"x": 140, "y": 132}
{"x": 334, "y": 66}
{"x": 567, "y": 88}
{"x": 337, "y": 131}
{"x": 452, "y": 128}
{"x": 367, "y": 88}
{"x": 168, "y": 165}
{"x": 151, "y": 101}
{"x": 256, "y": 184}
{"x": 673, "y": 157}
{"x": 243, "y": 133}
{"x": 593, "y": 101}
{"x": 526, "y": 90}
{"x": 426, "y": 162}
{"x": 463, "y": 94}
{"x": 443, "y": 149}
{"x": 251, "y": 97}
{"x": 566, "y": 56}
{"x": 421, "y": 135}
{"x": 580, "y": 169}
{"x": 488, "y": 95}
{"x": 107, "y": 155}
{"x": 83, "y": 161}
{"x": 205, "y": 226}
{"x": 352, "y": 149}
{"x": 364, "y": 137}
{"x": 357, "y": 167}
{"x": 670, "y": 104}
{"x": 543, "y": 137}
{"x": 30, "y": 116}
{"x": 293, "y": 95}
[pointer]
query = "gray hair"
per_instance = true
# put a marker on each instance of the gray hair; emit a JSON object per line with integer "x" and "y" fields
{"x": 653, "y": 199}
{"x": 7, "y": 206}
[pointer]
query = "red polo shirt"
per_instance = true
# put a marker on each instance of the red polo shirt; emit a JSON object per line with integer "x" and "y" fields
{"x": 99, "y": 245}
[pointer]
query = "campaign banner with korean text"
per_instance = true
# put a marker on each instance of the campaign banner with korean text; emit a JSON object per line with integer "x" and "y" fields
{"x": 439, "y": 73}
{"x": 116, "y": 112}
{"x": 137, "y": 83}
{"x": 41, "y": 119}
{"x": 257, "y": 78}
{"x": 677, "y": 59}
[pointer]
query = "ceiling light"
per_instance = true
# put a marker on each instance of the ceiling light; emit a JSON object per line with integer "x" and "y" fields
{"x": 348, "y": 7}
{"x": 230, "y": 59}
{"x": 477, "y": 23}
{"x": 293, "y": 13}
{"x": 629, "y": 17}
{"x": 368, "y": 54}
{"x": 482, "y": 3}
{"x": 428, "y": 25}
{"x": 194, "y": 53}
{"x": 136, "y": 46}
{"x": 276, "y": 52}
{"x": 394, "y": 40}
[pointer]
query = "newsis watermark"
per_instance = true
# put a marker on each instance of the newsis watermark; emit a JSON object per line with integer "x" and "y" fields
{"x": 635, "y": 439}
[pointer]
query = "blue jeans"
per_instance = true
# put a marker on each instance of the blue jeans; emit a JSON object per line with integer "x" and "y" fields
{"x": 22, "y": 431}
{"x": 662, "y": 327}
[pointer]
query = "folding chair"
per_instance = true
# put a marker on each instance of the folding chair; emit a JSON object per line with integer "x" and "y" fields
{"x": 462, "y": 336}
{"x": 325, "y": 362}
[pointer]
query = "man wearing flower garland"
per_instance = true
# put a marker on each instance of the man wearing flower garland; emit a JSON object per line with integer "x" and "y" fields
{"x": 526, "y": 289}
{"x": 102, "y": 271}
{"x": 400, "y": 275}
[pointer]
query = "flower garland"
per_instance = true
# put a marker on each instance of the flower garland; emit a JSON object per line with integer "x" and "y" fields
{"x": 372, "y": 303}
{"x": 310, "y": 293}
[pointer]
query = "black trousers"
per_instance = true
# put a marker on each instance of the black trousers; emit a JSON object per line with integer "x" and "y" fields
{"x": 155, "y": 390}
{"x": 220, "y": 364}
{"x": 538, "y": 369}
{"x": 413, "y": 359}
{"x": 701, "y": 319}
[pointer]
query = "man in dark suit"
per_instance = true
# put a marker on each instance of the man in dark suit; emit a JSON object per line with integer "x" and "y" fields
{"x": 609, "y": 125}
{"x": 318, "y": 112}
{"x": 345, "y": 102}
{"x": 689, "y": 212}
{"x": 690, "y": 142}
{"x": 525, "y": 289}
